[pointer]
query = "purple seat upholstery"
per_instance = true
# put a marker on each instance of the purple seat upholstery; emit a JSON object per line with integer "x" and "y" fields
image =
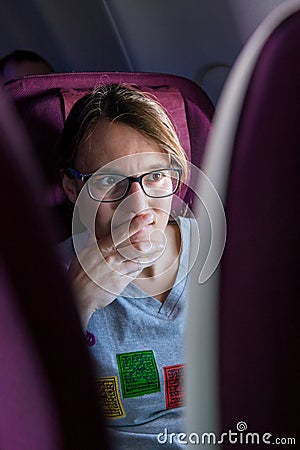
{"x": 260, "y": 282}
{"x": 245, "y": 352}
{"x": 44, "y": 102}
{"x": 47, "y": 391}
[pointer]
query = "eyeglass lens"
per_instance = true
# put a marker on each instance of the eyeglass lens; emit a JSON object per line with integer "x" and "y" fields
{"x": 112, "y": 187}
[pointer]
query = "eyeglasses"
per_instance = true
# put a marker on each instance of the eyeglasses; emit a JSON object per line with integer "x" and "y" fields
{"x": 111, "y": 187}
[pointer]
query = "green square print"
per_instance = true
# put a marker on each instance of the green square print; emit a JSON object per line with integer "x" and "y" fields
{"x": 138, "y": 373}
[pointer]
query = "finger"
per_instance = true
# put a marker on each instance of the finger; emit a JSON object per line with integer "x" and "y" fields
{"x": 108, "y": 244}
{"x": 93, "y": 263}
{"x": 128, "y": 229}
{"x": 131, "y": 268}
{"x": 121, "y": 234}
{"x": 140, "y": 248}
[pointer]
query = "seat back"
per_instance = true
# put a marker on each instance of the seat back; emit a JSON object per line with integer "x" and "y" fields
{"x": 45, "y": 101}
{"x": 253, "y": 159}
{"x": 47, "y": 389}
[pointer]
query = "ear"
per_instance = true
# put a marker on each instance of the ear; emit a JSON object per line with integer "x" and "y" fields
{"x": 70, "y": 188}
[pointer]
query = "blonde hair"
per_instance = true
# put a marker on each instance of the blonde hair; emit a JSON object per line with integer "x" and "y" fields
{"x": 126, "y": 105}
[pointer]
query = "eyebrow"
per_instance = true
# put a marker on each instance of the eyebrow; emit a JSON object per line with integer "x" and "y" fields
{"x": 118, "y": 171}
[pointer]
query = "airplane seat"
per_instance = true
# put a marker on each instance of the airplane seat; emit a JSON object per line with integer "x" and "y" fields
{"x": 251, "y": 366}
{"x": 48, "y": 396}
{"x": 44, "y": 102}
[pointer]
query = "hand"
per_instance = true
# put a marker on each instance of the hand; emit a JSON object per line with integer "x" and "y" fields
{"x": 108, "y": 265}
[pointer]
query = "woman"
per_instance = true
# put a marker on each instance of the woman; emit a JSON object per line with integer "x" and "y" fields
{"x": 122, "y": 164}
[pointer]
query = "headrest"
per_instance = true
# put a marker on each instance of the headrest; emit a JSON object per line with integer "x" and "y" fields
{"x": 44, "y": 101}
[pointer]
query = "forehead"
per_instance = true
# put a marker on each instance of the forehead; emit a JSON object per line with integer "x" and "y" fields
{"x": 118, "y": 146}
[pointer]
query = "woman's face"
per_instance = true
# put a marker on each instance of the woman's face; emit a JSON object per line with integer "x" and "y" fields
{"x": 116, "y": 148}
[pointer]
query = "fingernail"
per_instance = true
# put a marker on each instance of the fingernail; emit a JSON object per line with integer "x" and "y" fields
{"x": 148, "y": 218}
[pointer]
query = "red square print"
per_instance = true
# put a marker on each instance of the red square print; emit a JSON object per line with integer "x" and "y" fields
{"x": 174, "y": 386}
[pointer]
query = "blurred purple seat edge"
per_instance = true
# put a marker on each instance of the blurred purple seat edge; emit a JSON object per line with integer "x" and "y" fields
{"x": 47, "y": 390}
{"x": 260, "y": 284}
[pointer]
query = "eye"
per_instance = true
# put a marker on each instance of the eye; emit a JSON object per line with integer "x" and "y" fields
{"x": 104, "y": 181}
{"x": 109, "y": 180}
{"x": 155, "y": 176}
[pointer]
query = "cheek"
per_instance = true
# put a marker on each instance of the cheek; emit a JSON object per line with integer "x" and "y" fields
{"x": 87, "y": 209}
{"x": 103, "y": 220}
{"x": 163, "y": 209}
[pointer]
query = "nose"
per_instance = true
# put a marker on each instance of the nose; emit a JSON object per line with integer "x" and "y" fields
{"x": 135, "y": 200}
